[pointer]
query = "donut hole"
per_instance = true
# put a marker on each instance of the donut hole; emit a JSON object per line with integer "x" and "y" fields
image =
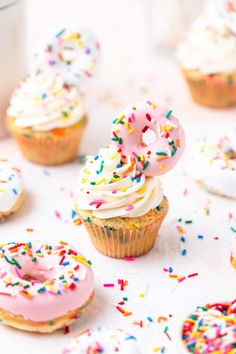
{"x": 33, "y": 277}
{"x": 148, "y": 137}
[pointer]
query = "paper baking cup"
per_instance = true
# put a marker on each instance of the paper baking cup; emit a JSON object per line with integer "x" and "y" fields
{"x": 125, "y": 242}
{"x": 54, "y": 147}
{"x": 216, "y": 91}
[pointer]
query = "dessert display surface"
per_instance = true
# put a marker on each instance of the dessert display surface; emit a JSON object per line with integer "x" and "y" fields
{"x": 189, "y": 266}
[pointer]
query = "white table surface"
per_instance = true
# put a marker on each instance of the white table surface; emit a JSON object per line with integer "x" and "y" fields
{"x": 52, "y": 189}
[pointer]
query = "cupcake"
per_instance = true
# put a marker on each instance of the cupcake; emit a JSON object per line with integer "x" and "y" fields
{"x": 47, "y": 113}
{"x": 11, "y": 189}
{"x": 102, "y": 340}
{"x": 208, "y": 59}
{"x": 210, "y": 329}
{"x": 213, "y": 165}
{"x": 120, "y": 197}
{"x": 47, "y": 118}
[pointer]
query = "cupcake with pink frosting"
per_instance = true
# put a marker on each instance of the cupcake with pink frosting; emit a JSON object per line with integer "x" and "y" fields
{"x": 120, "y": 197}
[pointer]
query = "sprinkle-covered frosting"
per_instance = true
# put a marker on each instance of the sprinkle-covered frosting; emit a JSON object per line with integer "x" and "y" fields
{"x": 102, "y": 340}
{"x": 215, "y": 164}
{"x": 41, "y": 282}
{"x": 11, "y": 186}
{"x": 111, "y": 186}
{"x": 210, "y": 329}
{"x": 43, "y": 102}
{"x": 69, "y": 51}
{"x": 210, "y": 46}
{"x": 130, "y": 127}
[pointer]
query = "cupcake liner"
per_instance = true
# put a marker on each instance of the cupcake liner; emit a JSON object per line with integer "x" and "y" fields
{"x": 49, "y": 148}
{"x": 216, "y": 91}
{"x": 127, "y": 242}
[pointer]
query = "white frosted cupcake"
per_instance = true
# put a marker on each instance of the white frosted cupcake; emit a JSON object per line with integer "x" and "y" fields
{"x": 213, "y": 165}
{"x": 207, "y": 58}
{"x": 102, "y": 340}
{"x": 47, "y": 118}
{"x": 11, "y": 189}
{"x": 122, "y": 209}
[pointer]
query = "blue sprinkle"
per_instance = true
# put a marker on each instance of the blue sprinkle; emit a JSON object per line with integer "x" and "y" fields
{"x": 65, "y": 263}
{"x": 131, "y": 337}
{"x": 14, "y": 191}
{"x": 200, "y": 236}
{"x": 58, "y": 292}
{"x": 114, "y": 121}
{"x": 76, "y": 279}
{"x": 170, "y": 270}
{"x": 119, "y": 165}
{"x": 44, "y": 95}
{"x": 184, "y": 252}
{"x": 183, "y": 239}
{"x": 138, "y": 179}
{"x": 96, "y": 157}
{"x": 149, "y": 319}
{"x": 73, "y": 214}
{"x": 38, "y": 251}
{"x": 30, "y": 244}
{"x": 97, "y": 172}
{"x": 46, "y": 172}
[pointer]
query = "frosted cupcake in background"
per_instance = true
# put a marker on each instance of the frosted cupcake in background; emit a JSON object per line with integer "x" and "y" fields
{"x": 47, "y": 114}
{"x": 207, "y": 58}
{"x": 120, "y": 197}
{"x": 213, "y": 165}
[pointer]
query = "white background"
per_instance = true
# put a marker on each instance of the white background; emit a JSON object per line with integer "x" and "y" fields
{"x": 128, "y": 72}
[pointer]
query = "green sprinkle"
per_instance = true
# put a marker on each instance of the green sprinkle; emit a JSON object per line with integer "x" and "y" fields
{"x": 13, "y": 262}
{"x": 93, "y": 183}
{"x": 120, "y": 140}
{"x": 188, "y": 221}
{"x": 89, "y": 219}
{"x": 166, "y": 329}
{"x": 168, "y": 114}
{"x": 173, "y": 152}
{"x": 101, "y": 167}
{"x": 50, "y": 248}
{"x": 125, "y": 299}
{"x": 161, "y": 153}
{"x": 170, "y": 142}
{"x": 89, "y": 262}
{"x": 65, "y": 114}
{"x": 14, "y": 284}
{"x": 34, "y": 259}
{"x": 26, "y": 286}
{"x": 23, "y": 253}
{"x": 233, "y": 229}
{"x": 115, "y": 139}
{"x": 145, "y": 165}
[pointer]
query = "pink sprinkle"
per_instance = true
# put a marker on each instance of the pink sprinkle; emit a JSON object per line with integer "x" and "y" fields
{"x": 114, "y": 191}
{"x": 109, "y": 285}
{"x": 3, "y": 275}
{"x": 129, "y": 207}
{"x": 132, "y": 117}
{"x": 95, "y": 202}
{"x": 129, "y": 259}
{"x": 6, "y": 294}
{"x": 58, "y": 215}
{"x": 52, "y": 292}
{"x": 149, "y": 118}
{"x": 181, "y": 279}
{"x": 19, "y": 274}
{"x": 230, "y": 216}
{"x": 185, "y": 192}
{"x": 134, "y": 154}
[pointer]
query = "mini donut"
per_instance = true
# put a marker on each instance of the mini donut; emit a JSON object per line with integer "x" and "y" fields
{"x": 161, "y": 155}
{"x": 43, "y": 287}
{"x": 212, "y": 165}
{"x": 70, "y": 52}
{"x": 11, "y": 189}
{"x": 210, "y": 329}
{"x": 102, "y": 340}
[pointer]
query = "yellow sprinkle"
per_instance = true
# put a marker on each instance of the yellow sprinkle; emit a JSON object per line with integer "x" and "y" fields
{"x": 117, "y": 130}
{"x": 130, "y": 131}
{"x": 87, "y": 171}
{"x": 163, "y": 128}
{"x": 162, "y": 167}
{"x": 100, "y": 182}
{"x": 80, "y": 42}
{"x": 120, "y": 118}
{"x": 142, "y": 190}
{"x": 1, "y": 190}
{"x": 153, "y": 105}
{"x": 114, "y": 155}
{"x": 57, "y": 91}
{"x": 141, "y": 295}
{"x": 40, "y": 255}
{"x": 141, "y": 157}
{"x": 169, "y": 128}
{"x": 155, "y": 350}
{"x": 70, "y": 271}
{"x": 115, "y": 179}
{"x": 81, "y": 260}
{"x": 71, "y": 36}
{"x": 126, "y": 124}
{"x": 84, "y": 180}
{"x": 123, "y": 190}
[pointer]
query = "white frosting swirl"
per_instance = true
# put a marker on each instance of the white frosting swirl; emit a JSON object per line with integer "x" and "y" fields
{"x": 43, "y": 102}
{"x": 210, "y": 46}
{"x": 212, "y": 165}
{"x": 11, "y": 186}
{"x": 112, "y": 188}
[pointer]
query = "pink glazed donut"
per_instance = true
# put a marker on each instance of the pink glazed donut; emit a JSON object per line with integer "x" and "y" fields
{"x": 161, "y": 155}
{"x": 43, "y": 287}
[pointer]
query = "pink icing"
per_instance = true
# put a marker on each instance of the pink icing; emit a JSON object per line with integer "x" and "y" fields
{"x": 161, "y": 155}
{"x": 61, "y": 280}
